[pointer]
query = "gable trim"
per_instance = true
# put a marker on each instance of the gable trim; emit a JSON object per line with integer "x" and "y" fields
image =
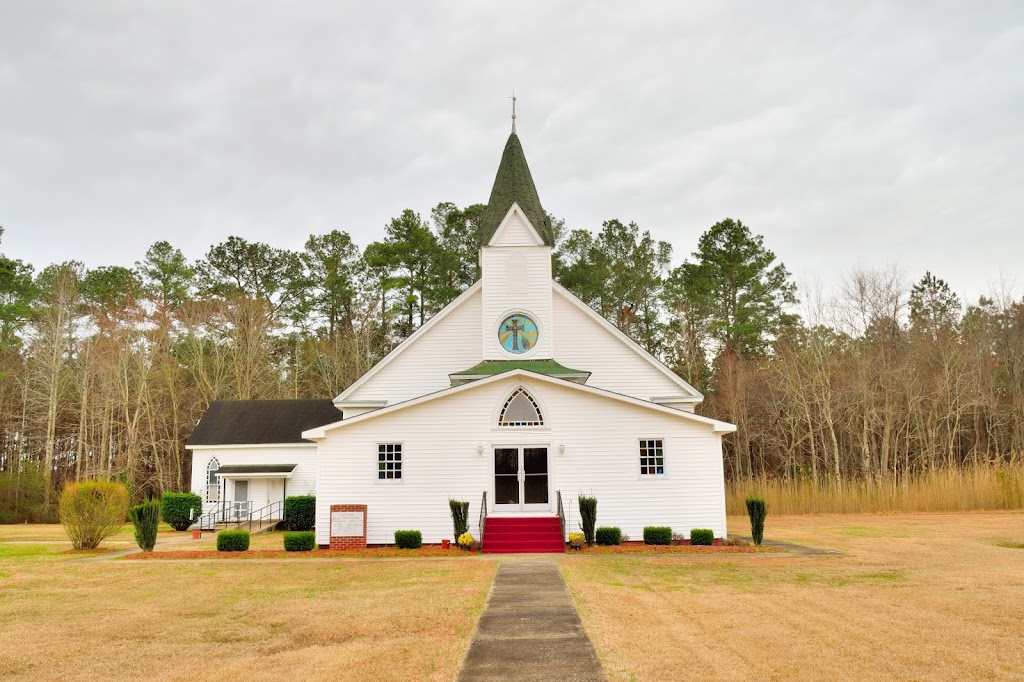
{"x": 514, "y": 208}
{"x": 251, "y": 446}
{"x": 320, "y": 433}
{"x": 694, "y": 396}
{"x": 411, "y": 339}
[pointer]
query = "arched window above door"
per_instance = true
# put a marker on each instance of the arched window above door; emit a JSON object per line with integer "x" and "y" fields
{"x": 212, "y": 484}
{"x": 520, "y": 409}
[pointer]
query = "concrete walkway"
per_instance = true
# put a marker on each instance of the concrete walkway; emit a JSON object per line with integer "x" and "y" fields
{"x": 530, "y": 629}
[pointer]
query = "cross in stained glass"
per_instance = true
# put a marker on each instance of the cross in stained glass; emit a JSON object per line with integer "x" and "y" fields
{"x": 517, "y": 334}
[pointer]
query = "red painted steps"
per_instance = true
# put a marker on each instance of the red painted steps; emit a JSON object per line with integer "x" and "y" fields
{"x": 522, "y": 534}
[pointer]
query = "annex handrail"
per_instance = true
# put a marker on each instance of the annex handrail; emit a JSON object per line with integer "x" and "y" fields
{"x": 561, "y": 513}
{"x": 483, "y": 517}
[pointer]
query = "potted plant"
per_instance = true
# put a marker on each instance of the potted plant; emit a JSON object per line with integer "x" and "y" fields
{"x": 576, "y": 540}
{"x": 466, "y": 541}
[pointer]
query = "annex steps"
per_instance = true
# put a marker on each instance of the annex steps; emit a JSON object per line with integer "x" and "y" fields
{"x": 519, "y": 535}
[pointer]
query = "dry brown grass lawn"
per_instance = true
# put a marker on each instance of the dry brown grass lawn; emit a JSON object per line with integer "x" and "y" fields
{"x": 65, "y": 619}
{"x": 917, "y": 596}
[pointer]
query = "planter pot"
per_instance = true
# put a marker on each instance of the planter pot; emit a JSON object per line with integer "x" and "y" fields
{"x": 445, "y": 544}
{"x": 196, "y": 534}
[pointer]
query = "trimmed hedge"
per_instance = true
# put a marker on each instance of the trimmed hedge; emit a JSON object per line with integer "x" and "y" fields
{"x": 408, "y": 539}
{"x": 299, "y": 541}
{"x": 757, "y": 510}
{"x": 588, "y": 514}
{"x": 300, "y": 512}
{"x": 608, "y": 535}
{"x": 232, "y": 541}
{"x": 702, "y": 536}
{"x": 146, "y": 520}
{"x": 657, "y": 535}
{"x": 175, "y": 508}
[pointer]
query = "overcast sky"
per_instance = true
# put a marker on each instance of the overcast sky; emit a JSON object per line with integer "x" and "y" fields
{"x": 849, "y": 134}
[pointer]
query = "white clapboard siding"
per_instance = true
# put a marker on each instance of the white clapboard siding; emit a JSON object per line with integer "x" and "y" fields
{"x": 302, "y": 481}
{"x": 514, "y": 231}
{"x": 451, "y": 345}
{"x": 601, "y": 436}
{"x": 516, "y": 280}
{"x": 583, "y": 343}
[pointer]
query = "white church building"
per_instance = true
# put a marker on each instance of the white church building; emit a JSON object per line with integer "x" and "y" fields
{"x": 516, "y": 397}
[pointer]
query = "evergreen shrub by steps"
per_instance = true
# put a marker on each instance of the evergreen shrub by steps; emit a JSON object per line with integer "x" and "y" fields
{"x": 233, "y": 541}
{"x": 657, "y": 535}
{"x": 608, "y": 535}
{"x": 408, "y": 539}
{"x": 299, "y": 541}
{"x": 702, "y": 536}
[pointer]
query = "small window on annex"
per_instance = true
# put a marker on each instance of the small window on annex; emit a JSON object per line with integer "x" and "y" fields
{"x": 212, "y": 484}
{"x": 389, "y": 461}
{"x": 652, "y": 457}
{"x": 520, "y": 410}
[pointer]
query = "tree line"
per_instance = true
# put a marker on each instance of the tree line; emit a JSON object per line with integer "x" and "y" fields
{"x": 105, "y": 371}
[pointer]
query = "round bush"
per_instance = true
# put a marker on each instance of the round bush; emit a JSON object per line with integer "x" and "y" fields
{"x": 608, "y": 535}
{"x": 702, "y": 536}
{"x": 181, "y": 510}
{"x": 408, "y": 539}
{"x": 299, "y": 541}
{"x": 300, "y": 512}
{"x": 232, "y": 541}
{"x": 657, "y": 535}
{"x": 91, "y": 511}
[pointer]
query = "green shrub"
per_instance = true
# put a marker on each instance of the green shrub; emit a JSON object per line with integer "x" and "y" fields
{"x": 657, "y": 535}
{"x": 299, "y": 541}
{"x": 460, "y": 517}
{"x": 757, "y": 510}
{"x": 181, "y": 510}
{"x": 608, "y": 535}
{"x": 232, "y": 541}
{"x": 300, "y": 512}
{"x": 146, "y": 519}
{"x": 588, "y": 514}
{"x": 408, "y": 539}
{"x": 91, "y": 511}
{"x": 702, "y": 536}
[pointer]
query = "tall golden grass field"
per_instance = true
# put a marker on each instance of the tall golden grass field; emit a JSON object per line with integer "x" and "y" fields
{"x": 974, "y": 487}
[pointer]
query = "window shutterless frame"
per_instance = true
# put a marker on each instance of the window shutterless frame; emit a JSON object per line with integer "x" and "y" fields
{"x": 651, "y": 453}
{"x": 390, "y": 462}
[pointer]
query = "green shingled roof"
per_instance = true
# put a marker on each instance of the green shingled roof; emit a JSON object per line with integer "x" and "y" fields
{"x": 514, "y": 184}
{"x": 549, "y": 367}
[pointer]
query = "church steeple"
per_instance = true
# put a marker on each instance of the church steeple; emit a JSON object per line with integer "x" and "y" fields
{"x": 514, "y": 184}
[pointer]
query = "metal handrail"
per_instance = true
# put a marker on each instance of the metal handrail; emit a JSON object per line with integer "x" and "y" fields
{"x": 228, "y": 512}
{"x": 561, "y": 513}
{"x": 483, "y": 517}
{"x": 267, "y": 514}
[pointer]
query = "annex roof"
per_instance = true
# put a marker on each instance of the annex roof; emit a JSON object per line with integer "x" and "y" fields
{"x": 490, "y": 367}
{"x": 716, "y": 425}
{"x": 244, "y": 422}
{"x": 229, "y": 469}
{"x": 513, "y": 184}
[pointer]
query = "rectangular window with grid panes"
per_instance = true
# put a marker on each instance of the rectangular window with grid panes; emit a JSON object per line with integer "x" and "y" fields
{"x": 389, "y": 461}
{"x": 652, "y": 457}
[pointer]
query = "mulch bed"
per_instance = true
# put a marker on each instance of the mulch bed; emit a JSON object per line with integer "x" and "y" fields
{"x": 369, "y": 553}
{"x": 658, "y": 550}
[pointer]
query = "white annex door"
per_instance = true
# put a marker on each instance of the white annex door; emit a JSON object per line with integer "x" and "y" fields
{"x": 521, "y": 479}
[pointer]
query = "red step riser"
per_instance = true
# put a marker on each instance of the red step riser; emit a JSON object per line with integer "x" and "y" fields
{"x": 523, "y": 535}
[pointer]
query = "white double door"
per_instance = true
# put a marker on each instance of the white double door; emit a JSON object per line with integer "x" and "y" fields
{"x": 521, "y": 480}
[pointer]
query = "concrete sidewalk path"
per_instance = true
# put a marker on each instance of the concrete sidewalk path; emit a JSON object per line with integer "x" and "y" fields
{"x": 530, "y": 629}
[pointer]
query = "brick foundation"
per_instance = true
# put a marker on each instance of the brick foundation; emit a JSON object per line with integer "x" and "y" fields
{"x": 349, "y": 541}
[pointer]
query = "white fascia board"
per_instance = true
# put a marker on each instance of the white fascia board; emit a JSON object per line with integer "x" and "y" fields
{"x": 675, "y": 399}
{"x": 250, "y": 446}
{"x": 514, "y": 208}
{"x": 716, "y": 426}
{"x": 273, "y": 474}
{"x": 411, "y": 339}
{"x": 628, "y": 342}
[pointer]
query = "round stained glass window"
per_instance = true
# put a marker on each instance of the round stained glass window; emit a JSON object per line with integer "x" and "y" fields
{"x": 517, "y": 333}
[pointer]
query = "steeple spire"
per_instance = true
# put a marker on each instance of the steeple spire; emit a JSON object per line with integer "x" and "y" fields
{"x": 513, "y": 184}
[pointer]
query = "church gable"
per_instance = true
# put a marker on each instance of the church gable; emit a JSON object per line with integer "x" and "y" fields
{"x": 516, "y": 230}
{"x": 616, "y": 362}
